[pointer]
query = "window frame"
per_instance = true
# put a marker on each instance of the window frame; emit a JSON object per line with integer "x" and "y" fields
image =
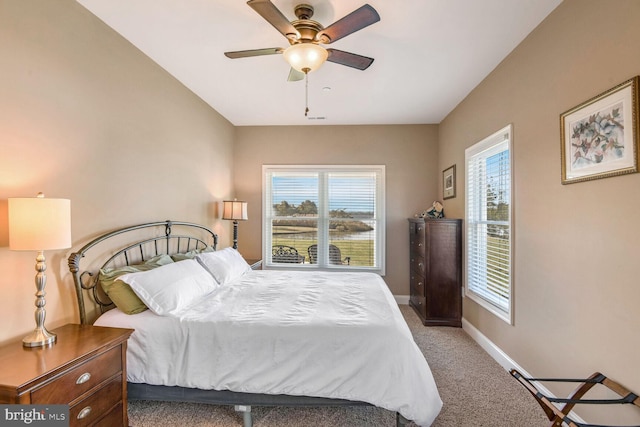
{"x": 323, "y": 218}
{"x": 489, "y": 144}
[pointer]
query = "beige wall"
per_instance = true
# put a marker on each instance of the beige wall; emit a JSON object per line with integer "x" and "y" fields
{"x": 577, "y": 296}
{"x": 85, "y": 116}
{"x": 408, "y": 152}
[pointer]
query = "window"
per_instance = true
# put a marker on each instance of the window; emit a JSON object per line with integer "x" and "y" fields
{"x": 324, "y": 217}
{"x": 489, "y": 234}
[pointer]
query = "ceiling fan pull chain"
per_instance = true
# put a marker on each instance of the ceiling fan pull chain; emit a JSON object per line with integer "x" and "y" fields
{"x": 306, "y": 92}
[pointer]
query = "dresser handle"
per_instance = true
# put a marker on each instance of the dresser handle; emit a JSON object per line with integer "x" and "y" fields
{"x": 419, "y": 283}
{"x": 419, "y": 244}
{"x": 84, "y": 412}
{"x": 83, "y": 378}
{"x": 420, "y": 264}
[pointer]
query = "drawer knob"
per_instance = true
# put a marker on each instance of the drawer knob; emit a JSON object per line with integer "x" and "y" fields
{"x": 420, "y": 264}
{"x": 419, "y": 244}
{"x": 83, "y": 378}
{"x": 419, "y": 283}
{"x": 84, "y": 412}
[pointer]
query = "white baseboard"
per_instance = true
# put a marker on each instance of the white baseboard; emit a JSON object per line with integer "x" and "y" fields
{"x": 496, "y": 353}
{"x": 505, "y": 361}
{"x": 402, "y": 299}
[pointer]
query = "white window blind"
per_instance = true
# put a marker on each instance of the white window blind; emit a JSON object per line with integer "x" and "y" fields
{"x": 324, "y": 217}
{"x": 488, "y": 219}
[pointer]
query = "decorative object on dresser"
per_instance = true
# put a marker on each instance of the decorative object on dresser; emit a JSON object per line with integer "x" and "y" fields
{"x": 237, "y": 211}
{"x": 435, "y": 211}
{"x": 436, "y": 270}
{"x": 85, "y": 370}
{"x": 39, "y": 224}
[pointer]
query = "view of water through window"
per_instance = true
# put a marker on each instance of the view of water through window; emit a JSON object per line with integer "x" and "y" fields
{"x": 341, "y": 206}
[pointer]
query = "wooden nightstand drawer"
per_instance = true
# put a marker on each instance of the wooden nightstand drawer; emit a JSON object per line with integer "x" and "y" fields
{"x": 48, "y": 375}
{"x": 89, "y": 410}
{"x": 80, "y": 379}
{"x": 113, "y": 418}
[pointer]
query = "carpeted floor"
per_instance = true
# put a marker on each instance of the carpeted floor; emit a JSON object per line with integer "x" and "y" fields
{"x": 476, "y": 391}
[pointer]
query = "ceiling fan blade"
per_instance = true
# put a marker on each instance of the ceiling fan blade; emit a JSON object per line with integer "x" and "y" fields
{"x": 273, "y": 16}
{"x": 349, "y": 59}
{"x": 253, "y": 52}
{"x": 295, "y": 75}
{"x": 356, "y": 20}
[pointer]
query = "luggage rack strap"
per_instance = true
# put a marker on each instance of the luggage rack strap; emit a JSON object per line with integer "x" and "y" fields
{"x": 557, "y": 415}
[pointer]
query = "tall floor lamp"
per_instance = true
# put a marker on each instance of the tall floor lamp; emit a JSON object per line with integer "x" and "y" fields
{"x": 237, "y": 211}
{"x": 39, "y": 224}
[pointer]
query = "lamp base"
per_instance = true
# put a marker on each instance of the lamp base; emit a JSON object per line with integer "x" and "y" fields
{"x": 39, "y": 338}
{"x": 235, "y": 234}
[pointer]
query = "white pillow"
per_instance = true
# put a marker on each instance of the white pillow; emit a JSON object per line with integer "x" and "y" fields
{"x": 224, "y": 265}
{"x": 169, "y": 289}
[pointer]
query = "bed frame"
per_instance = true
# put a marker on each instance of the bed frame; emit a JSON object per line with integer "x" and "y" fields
{"x": 128, "y": 246}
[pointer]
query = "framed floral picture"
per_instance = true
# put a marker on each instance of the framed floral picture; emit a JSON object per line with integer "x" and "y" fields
{"x": 599, "y": 138}
{"x": 449, "y": 182}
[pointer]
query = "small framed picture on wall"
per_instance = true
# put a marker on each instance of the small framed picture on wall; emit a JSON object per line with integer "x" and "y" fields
{"x": 449, "y": 182}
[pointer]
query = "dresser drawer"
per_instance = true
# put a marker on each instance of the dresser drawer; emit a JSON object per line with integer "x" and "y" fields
{"x": 416, "y": 238}
{"x": 417, "y": 248}
{"x": 80, "y": 379}
{"x": 416, "y": 263}
{"x": 419, "y": 303}
{"x": 416, "y": 229}
{"x": 417, "y": 284}
{"x": 89, "y": 410}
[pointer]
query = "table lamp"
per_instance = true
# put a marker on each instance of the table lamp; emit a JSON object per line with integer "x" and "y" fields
{"x": 39, "y": 224}
{"x": 236, "y": 211}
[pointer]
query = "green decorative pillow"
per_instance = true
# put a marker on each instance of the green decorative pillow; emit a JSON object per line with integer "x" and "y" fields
{"x": 119, "y": 292}
{"x": 191, "y": 254}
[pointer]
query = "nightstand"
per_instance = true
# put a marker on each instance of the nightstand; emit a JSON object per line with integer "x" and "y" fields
{"x": 85, "y": 369}
{"x": 256, "y": 264}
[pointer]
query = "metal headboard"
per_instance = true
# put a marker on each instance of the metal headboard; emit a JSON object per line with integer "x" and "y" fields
{"x": 133, "y": 253}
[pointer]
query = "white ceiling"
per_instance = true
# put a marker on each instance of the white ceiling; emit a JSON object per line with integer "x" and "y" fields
{"x": 429, "y": 54}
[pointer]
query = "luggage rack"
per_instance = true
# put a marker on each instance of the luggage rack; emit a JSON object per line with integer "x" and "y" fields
{"x": 559, "y": 415}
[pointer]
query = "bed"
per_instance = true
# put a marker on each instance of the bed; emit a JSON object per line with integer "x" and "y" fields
{"x": 235, "y": 336}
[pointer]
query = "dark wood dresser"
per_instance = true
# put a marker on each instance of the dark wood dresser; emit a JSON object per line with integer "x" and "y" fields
{"x": 85, "y": 368}
{"x": 435, "y": 256}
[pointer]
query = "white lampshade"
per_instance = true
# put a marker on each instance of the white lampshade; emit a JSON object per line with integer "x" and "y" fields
{"x": 305, "y": 57}
{"x": 235, "y": 210}
{"x": 38, "y": 224}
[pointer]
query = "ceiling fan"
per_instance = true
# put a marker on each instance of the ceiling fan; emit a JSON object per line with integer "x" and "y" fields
{"x": 306, "y": 35}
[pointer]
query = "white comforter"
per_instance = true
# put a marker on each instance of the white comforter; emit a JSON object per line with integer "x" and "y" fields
{"x": 335, "y": 335}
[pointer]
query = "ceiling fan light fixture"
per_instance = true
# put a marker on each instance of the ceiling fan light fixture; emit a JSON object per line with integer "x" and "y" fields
{"x": 305, "y": 57}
